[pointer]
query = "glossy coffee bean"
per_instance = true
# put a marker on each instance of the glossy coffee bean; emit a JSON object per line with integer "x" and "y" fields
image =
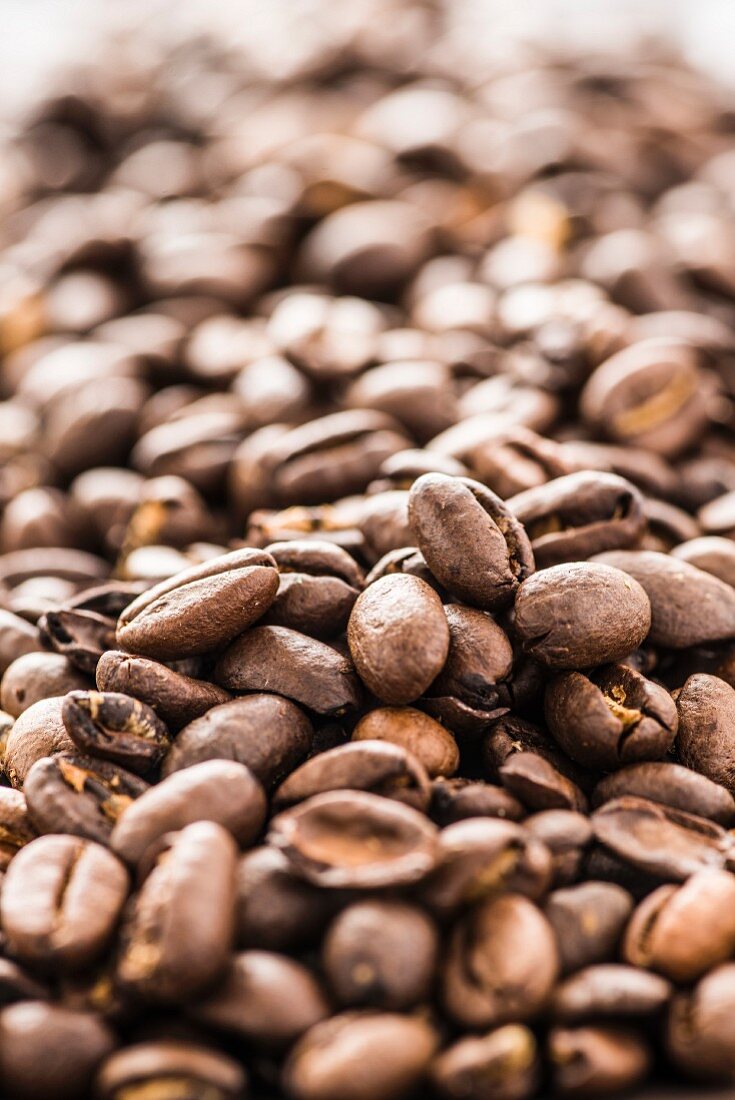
{"x": 597, "y": 1060}
{"x": 277, "y": 910}
{"x": 163, "y": 1065}
{"x": 175, "y": 697}
{"x": 38, "y": 676}
{"x": 425, "y": 739}
{"x": 457, "y": 799}
{"x": 699, "y": 1037}
{"x": 38, "y": 732}
{"x": 116, "y": 727}
{"x": 480, "y": 658}
{"x": 610, "y": 990}
{"x": 706, "y": 739}
{"x": 671, "y": 784}
{"x": 374, "y": 766}
{"x": 507, "y": 1057}
{"x": 318, "y": 586}
{"x": 79, "y": 635}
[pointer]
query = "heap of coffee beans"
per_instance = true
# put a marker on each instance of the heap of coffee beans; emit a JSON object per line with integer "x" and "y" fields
{"x": 367, "y": 573}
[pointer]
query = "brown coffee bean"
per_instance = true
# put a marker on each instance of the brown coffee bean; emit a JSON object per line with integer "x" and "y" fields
{"x": 177, "y": 699}
{"x": 671, "y": 784}
{"x": 164, "y": 1064}
{"x": 700, "y": 1036}
{"x": 504, "y": 1060}
{"x": 480, "y": 657}
{"x": 398, "y": 637}
{"x": 706, "y": 740}
{"x": 501, "y": 963}
{"x": 38, "y": 676}
{"x": 116, "y": 727}
{"x": 539, "y": 785}
{"x": 597, "y": 1061}
{"x": 410, "y": 729}
{"x": 353, "y": 839}
{"x": 588, "y": 920}
{"x": 277, "y": 659}
{"x": 416, "y": 392}
{"x": 566, "y": 835}
{"x": 711, "y": 554}
{"x": 359, "y": 1056}
{"x": 518, "y": 460}
{"x": 80, "y": 636}
{"x": 200, "y": 609}
{"x": 471, "y": 541}
{"x": 457, "y": 799}
{"x": 220, "y": 791}
{"x": 235, "y": 731}
{"x": 15, "y": 827}
{"x": 375, "y": 766}
{"x": 609, "y": 990}
{"x": 61, "y": 900}
{"x": 38, "y": 732}
{"x": 318, "y": 586}
{"x": 17, "y": 637}
{"x": 581, "y": 614}
{"x": 276, "y": 909}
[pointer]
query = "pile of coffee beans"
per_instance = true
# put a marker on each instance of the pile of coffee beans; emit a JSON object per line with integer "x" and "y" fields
{"x": 367, "y": 572}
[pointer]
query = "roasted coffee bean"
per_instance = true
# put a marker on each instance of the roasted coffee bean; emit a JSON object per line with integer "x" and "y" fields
{"x": 80, "y": 636}
{"x": 318, "y": 586}
{"x": 15, "y": 827}
{"x": 38, "y": 676}
{"x": 17, "y": 637}
{"x": 518, "y": 460}
{"x": 359, "y": 1056}
{"x": 220, "y": 791}
{"x": 380, "y": 954}
{"x": 353, "y": 839}
{"x": 116, "y": 727}
{"x": 267, "y": 734}
{"x": 17, "y": 985}
{"x": 587, "y": 1062}
{"x": 374, "y": 766}
{"x": 39, "y": 732}
{"x": 688, "y": 606}
{"x": 480, "y": 657}
{"x": 581, "y": 614}
{"x": 574, "y": 517}
{"x": 398, "y": 637}
{"x": 200, "y": 609}
{"x": 73, "y": 793}
{"x": 608, "y": 990}
{"x": 448, "y": 513}
{"x": 61, "y": 900}
{"x": 711, "y": 554}
{"x": 588, "y": 920}
{"x": 263, "y": 997}
{"x": 566, "y": 834}
{"x": 684, "y": 931}
{"x": 456, "y": 799}
{"x": 277, "y": 659}
{"x": 500, "y": 965}
{"x": 504, "y": 1060}
{"x": 671, "y": 784}
{"x": 176, "y": 698}
{"x": 276, "y": 909}
{"x": 426, "y": 740}
{"x": 165, "y": 1066}
{"x": 706, "y": 739}
{"x": 541, "y": 776}
{"x": 613, "y": 716}
{"x": 178, "y": 932}
{"x": 700, "y": 1036}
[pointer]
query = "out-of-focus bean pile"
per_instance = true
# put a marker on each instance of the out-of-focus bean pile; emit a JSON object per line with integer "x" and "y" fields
{"x": 367, "y": 572}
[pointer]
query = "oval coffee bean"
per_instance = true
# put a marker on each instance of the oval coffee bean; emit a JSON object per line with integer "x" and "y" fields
{"x": 16, "y": 829}
{"x": 505, "y": 1059}
{"x": 609, "y": 990}
{"x": 177, "y": 699}
{"x": 39, "y": 732}
{"x": 539, "y": 785}
{"x": 671, "y": 784}
{"x": 201, "y": 609}
{"x": 220, "y": 791}
{"x": 398, "y": 637}
{"x": 37, "y": 676}
{"x": 428, "y": 741}
{"x": 706, "y": 740}
{"x": 566, "y": 834}
{"x": 581, "y": 614}
{"x": 597, "y": 1060}
{"x": 712, "y": 554}
{"x": 157, "y": 1067}
{"x": 480, "y": 657}
{"x": 115, "y": 727}
{"x": 276, "y": 909}
{"x": 61, "y": 900}
{"x": 457, "y": 799}
{"x": 701, "y": 1029}
{"x": 588, "y": 920}
{"x": 318, "y": 585}
{"x": 472, "y": 542}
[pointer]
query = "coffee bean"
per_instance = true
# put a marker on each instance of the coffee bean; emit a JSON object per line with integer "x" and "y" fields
{"x": 597, "y": 1061}
{"x": 276, "y": 909}
{"x": 518, "y": 460}
{"x": 711, "y": 554}
{"x": 410, "y": 729}
{"x": 37, "y": 676}
{"x": 38, "y": 732}
{"x": 506, "y": 1056}
{"x": 588, "y": 920}
{"x": 15, "y": 827}
{"x": 17, "y": 637}
{"x": 539, "y": 785}
{"x": 164, "y": 1064}
{"x": 456, "y": 799}
{"x": 706, "y": 740}
{"x": 318, "y": 586}
{"x": 480, "y": 657}
{"x": 116, "y": 727}
{"x": 176, "y": 698}
{"x": 609, "y": 990}
{"x": 566, "y": 834}
{"x": 80, "y": 636}
{"x": 671, "y": 784}
{"x": 699, "y": 1036}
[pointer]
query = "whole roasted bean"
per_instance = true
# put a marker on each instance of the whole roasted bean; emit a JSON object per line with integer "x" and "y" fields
{"x": 318, "y": 585}
{"x": 416, "y": 392}
{"x": 581, "y": 614}
{"x": 518, "y": 460}
{"x": 471, "y": 541}
{"x": 374, "y": 766}
{"x": 701, "y": 1028}
{"x": 671, "y": 784}
{"x": 504, "y": 1060}
{"x": 588, "y": 920}
{"x": 543, "y": 777}
{"x": 15, "y": 827}
{"x": 611, "y": 717}
{"x": 116, "y": 727}
{"x": 566, "y": 834}
{"x": 706, "y": 740}
{"x": 178, "y": 932}
{"x": 597, "y": 1061}
{"x": 220, "y": 791}
{"x": 718, "y": 516}
{"x": 165, "y": 1066}
{"x": 406, "y": 559}
{"x": 608, "y": 990}
{"x": 270, "y": 735}
{"x": 176, "y": 698}
{"x": 276, "y": 909}
{"x": 353, "y": 839}
{"x": 277, "y": 659}
{"x": 456, "y": 799}
{"x": 263, "y": 997}
{"x": 38, "y": 732}
{"x": 81, "y": 636}
{"x": 688, "y": 606}
{"x": 380, "y": 954}
{"x": 200, "y": 609}
{"x": 61, "y": 900}
{"x": 51, "y": 1051}
{"x": 711, "y": 554}
{"x": 500, "y": 965}
{"x": 428, "y": 741}
{"x": 398, "y": 637}
{"x": 684, "y": 931}
{"x": 399, "y": 471}
{"x": 574, "y": 517}
{"x": 480, "y": 657}
{"x": 360, "y": 1056}
{"x": 659, "y": 840}
{"x": 73, "y": 793}
{"x": 37, "y": 676}
{"x": 17, "y": 637}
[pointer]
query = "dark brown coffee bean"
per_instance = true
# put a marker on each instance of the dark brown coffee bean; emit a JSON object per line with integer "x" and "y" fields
{"x": 116, "y": 727}
{"x": 17, "y": 637}
{"x": 267, "y": 734}
{"x": 375, "y": 766}
{"x": 457, "y": 799}
{"x": 164, "y": 1065}
{"x": 501, "y": 963}
{"x": 416, "y": 392}
{"x": 504, "y": 1060}
{"x": 581, "y": 614}
{"x": 471, "y": 541}
{"x": 688, "y": 606}
{"x": 200, "y": 609}
{"x": 706, "y": 740}
{"x": 700, "y": 1036}
{"x": 16, "y": 985}
{"x": 276, "y": 909}
{"x": 684, "y": 931}
{"x": 539, "y": 785}
{"x": 15, "y": 827}
{"x": 711, "y": 554}
{"x": 608, "y": 990}
{"x": 671, "y": 784}
{"x": 38, "y": 732}
{"x": 318, "y": 586}
{"x": 519, "y": 460}
{"x": 176, "y": 698}
{"x": 277, "y": 659}
{"x": 398, "y": 637}
{"x": 567, "y": 835}
{"x": 597, "y": 1061}
{"x": 76, "y": 794}
{"x": 426, "y": 740}
{"x": 480, "y": 657}
{"x": 81, "y": 636}
{"x": 220, "y": 791}
{"x": 588, "y": 920}
{"x": 37, "y": 676}
{"x": 359, "y": 1056}
{"x": 61, "y": 900}
{"x": 380, "y": 954}
{"x": 355, "y": 839}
